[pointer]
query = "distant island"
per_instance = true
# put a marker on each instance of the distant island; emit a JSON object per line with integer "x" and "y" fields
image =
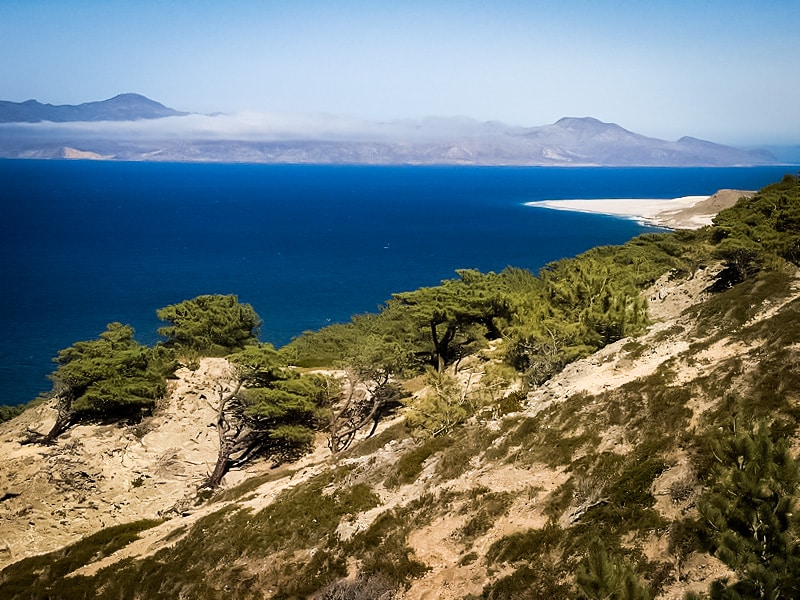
{"x": 124, "y": 107}
{"x": 132, "y": 127}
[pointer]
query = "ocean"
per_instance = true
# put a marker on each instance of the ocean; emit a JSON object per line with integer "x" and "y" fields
{"x": 85, "y": 243}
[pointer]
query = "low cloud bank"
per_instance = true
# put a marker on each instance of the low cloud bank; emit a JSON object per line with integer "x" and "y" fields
{"x": 252, "y": 127}
{"x": 303, "y": 138}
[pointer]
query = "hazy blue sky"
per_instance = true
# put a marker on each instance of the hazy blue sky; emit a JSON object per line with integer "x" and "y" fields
{"x": 725, "y": 70}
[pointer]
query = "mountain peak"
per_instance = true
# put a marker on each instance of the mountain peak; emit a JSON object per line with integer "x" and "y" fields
{"x": 122, "y": 107}
{"x": 570, "y": 121}
{"x": 586, "y": 123}
{"x": 128, "y": 98}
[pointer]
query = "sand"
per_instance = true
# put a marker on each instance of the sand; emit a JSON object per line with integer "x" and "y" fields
{"x": 686, "y": 212}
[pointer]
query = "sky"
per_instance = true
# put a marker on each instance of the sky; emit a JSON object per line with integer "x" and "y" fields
{"x": 721, "y": 70}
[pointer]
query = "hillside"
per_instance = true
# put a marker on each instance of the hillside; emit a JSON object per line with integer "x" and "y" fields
{"x": 620, "y": 474}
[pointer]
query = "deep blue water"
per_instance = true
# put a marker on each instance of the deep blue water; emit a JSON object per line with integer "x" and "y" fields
{"x": 86, "y": 243}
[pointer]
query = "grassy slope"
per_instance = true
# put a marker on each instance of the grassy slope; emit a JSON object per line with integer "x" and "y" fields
{"x": 578, "y": 487}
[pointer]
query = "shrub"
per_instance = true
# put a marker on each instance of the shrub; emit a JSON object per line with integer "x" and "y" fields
{"x": 486, "y": 507}
{"x": 537, "y": 579}
{"x": 749, "y": 512}
{"x": 9, "y": 412}
{"x": 410, "y": 465}
{"x": 602, "y": 576}
{"x": 384, "y": 550}
{"x": 526, "y": 545}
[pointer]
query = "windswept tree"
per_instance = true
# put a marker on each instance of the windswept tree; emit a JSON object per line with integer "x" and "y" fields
{"x": 447, "y": 320}
{"x": 268, "y": 411}
{"x": 540, "y": 341}
{"x": 211, "y": 325}
{"x": 741, "y": 260}
{"x": 369, "y": 354}
{"x": 371, "y": 357}
{"x": 111, "y": 377}
{"x": 599, "y": 294}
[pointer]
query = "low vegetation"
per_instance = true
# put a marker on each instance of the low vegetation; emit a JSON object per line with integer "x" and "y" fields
{"x": 606, "y": 495}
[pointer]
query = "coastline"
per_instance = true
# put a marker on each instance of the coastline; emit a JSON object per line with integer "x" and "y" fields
{"x": 685, "y": 212}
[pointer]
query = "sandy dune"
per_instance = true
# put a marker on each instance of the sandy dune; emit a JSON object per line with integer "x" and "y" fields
{"x": 687, "y": 212}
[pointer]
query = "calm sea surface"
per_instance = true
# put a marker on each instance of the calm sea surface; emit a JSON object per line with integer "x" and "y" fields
{"x": 86, "y": 243}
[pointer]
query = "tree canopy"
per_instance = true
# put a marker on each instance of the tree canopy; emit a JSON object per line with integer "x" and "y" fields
{"x": 580, "y": 304}
{"x": 213, "y": 325}
{"x": 371, "y": 353}
{"x": 112, "y": 376}
{"x": 442, "y": 320}
{"x": 758, "y": 229}
{"x": 271, "y": 411}
{"x": 768, "y": 222}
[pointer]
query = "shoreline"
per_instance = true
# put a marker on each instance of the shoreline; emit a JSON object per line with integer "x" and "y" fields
{"x": 685, "y": 212}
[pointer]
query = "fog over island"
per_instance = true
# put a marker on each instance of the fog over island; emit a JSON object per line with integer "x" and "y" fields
{"x": 133, "y": 127}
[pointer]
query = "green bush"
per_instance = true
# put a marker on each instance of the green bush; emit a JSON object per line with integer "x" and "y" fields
{"x": 468, "y": 443}
{"x": 540, "y": 579}
{"x": 749, "y": 513}
{"x": 528, "y": 545}
{"x": 8, "y": 412}
{"x": 601, "y": 576}
{"x": 766, "y": 224}
{"x": 384, "y": 550}
{"x": 410, "y": 465}
{"x": 485, "y": 507}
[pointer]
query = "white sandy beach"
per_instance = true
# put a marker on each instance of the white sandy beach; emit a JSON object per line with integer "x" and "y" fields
{"x": 686, "y": 212}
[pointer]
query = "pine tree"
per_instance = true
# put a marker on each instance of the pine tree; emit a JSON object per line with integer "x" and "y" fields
{"x": 450, "y": 318}
{"x": 212, "y": 325}
{"x": 749, "y": 510}
{"x": 269, "y": 410}
{"x": 111, "y": 377}
{"x": 604, "y": 577}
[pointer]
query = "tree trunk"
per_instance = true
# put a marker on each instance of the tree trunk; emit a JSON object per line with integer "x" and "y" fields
{"x": 220, "y": 470}
{"x": 492, "y": 332}
{"x": 227, "y": 421}
{"x": 341, "y": 422}
{"x": 356, "y": 412}
{"x": 442, "y": 346}
{"x": 63, "y": 417}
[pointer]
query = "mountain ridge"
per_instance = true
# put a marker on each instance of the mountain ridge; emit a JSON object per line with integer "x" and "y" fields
{"x": 122, "y": 107}
{"x": 139, "y": 129}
